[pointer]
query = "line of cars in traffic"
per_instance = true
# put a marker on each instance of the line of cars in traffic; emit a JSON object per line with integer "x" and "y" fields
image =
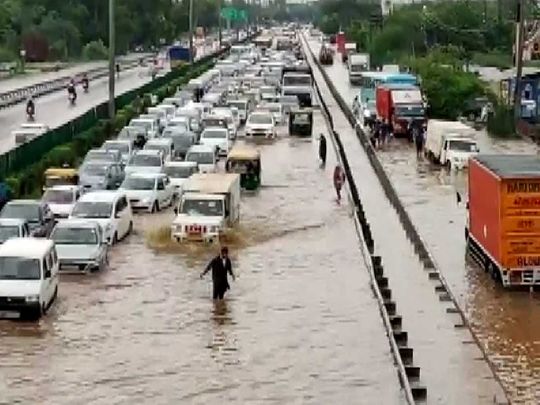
{"x": 168, "y": 155}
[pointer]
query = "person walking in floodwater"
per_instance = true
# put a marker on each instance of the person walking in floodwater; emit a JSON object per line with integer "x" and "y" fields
{"x": 339, "y": 180}
{"x": 220, "y": 266}
{"x": 322, "y": 149}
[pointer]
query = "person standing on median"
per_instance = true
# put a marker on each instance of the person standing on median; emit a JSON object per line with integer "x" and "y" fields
{"x": 322, "y": 149}
{"x": 220, "y": 266}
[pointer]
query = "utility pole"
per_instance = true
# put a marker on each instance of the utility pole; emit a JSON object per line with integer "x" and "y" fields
{"x": 112, "y": 66}
{"x": 191, "y": 31}
{"x": 518, "y": 58}
{"x": 219, "y": 23}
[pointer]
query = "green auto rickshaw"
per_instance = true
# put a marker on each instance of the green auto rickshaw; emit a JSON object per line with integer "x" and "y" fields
{"x": 301, "y": 122}
{"x": 245, "y": 161}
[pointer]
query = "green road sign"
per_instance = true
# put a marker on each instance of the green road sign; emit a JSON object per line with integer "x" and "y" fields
{"x": 233, "y": 14}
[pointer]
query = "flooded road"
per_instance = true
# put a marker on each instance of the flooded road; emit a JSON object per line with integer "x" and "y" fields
{"x": 299, "y": 326}
{"x": 507, "y": 323}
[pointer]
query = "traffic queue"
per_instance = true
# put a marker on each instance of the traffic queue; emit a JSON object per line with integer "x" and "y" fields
{"x": 180, "y": 153}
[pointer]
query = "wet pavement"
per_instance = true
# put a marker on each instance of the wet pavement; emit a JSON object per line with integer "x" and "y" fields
{"x": 507, "y": 323}
{"x": 299, "y": 326}
{"x": 452, "y": 367}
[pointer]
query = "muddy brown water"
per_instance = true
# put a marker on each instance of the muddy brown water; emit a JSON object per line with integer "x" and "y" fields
{"x": 299, "y": 326}
{"x": 506, "y": 322}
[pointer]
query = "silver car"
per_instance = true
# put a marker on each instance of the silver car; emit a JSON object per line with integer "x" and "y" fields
{"x": 80, "y": 245}
{"x": 100, "y": 176}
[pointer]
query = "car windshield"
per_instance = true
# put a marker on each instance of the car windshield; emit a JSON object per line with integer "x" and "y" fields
{"x": 30, "y": 212}
{"x": 180, "y": 172}
{"x": 7, "y": 232}
{"x": 91, "y": 209}
{"x": 153, "y": 146}
{"x": 275, "y": 108}
{"x": 58, "y": 196}
{"x": 131, "y": 132}
{"x": 212, "y": 208}
{"x": 122, "y": 147}
{"x": 100, "y": 155}
{"x": 214, "y": 122}
{"x": 201, "y": 157}
{"x": 19, "y": 268}
{"x": 94, "y": 170}
{"x": 463, "y": 146}
{"x": 141, "y": 124}
{"x": 178, "y": 130}
{"x": 238, "y": 104}
{"x": 214, "y": 134}
{"x": 265, "y": 119}
{"x": 139, "y": 183}
{"x": 145, "y": 160}
{"x": 297, "y": 80}
{"x": 300, "y": 119}
{"x": 410, "y": 111}
{"x": 74, "y": 236}
{"x": 358, "y": 68}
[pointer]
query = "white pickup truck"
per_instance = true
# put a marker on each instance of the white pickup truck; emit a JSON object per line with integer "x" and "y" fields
{"x": 210, "y": 204}
{"x": 450, "y": 143}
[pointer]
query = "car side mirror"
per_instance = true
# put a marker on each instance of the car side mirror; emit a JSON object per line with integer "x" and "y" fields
{"x": 48, "y": 274}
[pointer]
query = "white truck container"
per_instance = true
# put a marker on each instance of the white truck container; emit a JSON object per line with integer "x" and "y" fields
{"x": 210, "y": 204}
{"x": 357, "y": 63}
{"x": 450, "y": 143}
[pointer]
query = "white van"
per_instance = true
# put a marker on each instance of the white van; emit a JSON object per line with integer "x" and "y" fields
{"x": 28, "y": 277}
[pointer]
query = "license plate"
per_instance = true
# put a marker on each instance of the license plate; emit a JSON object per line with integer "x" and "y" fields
{"x": 10, "y": 314}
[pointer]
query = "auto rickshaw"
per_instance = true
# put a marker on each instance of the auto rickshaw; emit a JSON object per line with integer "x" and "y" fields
{"x": 300, "y": 122}
{"x": 56, "y": 176}
{"x": 245, "y": 161}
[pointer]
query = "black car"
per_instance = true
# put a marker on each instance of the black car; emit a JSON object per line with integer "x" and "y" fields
{"x": 38, "y": 214}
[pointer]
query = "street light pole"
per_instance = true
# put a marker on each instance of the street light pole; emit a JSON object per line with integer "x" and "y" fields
{"x": 112, "y": 41}
{"x": 518, "y": 58}
{"x": 219, "y": 23}
{"x": 191, "y": 31}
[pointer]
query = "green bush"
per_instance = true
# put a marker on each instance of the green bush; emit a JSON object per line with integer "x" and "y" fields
{"x": 6, "y": 55}
{"x": 502, "y": 123}
{"x": 95, "y": 50}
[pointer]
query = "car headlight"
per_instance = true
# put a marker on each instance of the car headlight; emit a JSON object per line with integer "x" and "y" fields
{"x": 146, "y": 200}
{"x": 32, "y": 298}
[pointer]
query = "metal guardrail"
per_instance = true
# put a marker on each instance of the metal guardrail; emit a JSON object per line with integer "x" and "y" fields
{"x": 13, "y": 97}
{"x": 408, "y": 373}
{"x": 432, "y": 269}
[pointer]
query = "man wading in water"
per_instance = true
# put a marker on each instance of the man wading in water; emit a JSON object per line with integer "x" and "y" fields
{"x": 220, "y": 265}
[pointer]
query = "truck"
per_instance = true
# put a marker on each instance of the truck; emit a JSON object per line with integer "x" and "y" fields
{"x": 450, "y": 143}
{"x": 179, "y": 55}
{"x": 503, "y": 225}
{"x": 299, "y": 85}
{"x": 208, "y": 206}
{"x": 357, "y": 63}
{"x": 400, "y": 105}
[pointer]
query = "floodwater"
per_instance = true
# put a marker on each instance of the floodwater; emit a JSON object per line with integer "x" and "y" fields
{"x": 299, "y": 326}
{"x": 507, "y": 323}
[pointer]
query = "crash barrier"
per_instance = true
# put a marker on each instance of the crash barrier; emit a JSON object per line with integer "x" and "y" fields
{"x": 31, "y": 152}
{"x": 409, "y": 374}
{"x": 441, "y": 287}
{"x": 11, "y": 98}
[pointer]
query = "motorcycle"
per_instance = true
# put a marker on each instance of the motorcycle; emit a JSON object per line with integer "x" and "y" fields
{"x": 30, "y": 113}
{"x": 72, "y": 98}
{"x": 85, "y": 86}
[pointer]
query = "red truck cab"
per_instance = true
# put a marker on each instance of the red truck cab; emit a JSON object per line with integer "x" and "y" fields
{"x": 400, "y": 105}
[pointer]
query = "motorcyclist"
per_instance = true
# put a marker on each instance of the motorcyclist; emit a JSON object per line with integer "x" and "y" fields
{"x": 72, "y": 92}
{"x": 30, "y": 107}
{"x": 85, "y": 82}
